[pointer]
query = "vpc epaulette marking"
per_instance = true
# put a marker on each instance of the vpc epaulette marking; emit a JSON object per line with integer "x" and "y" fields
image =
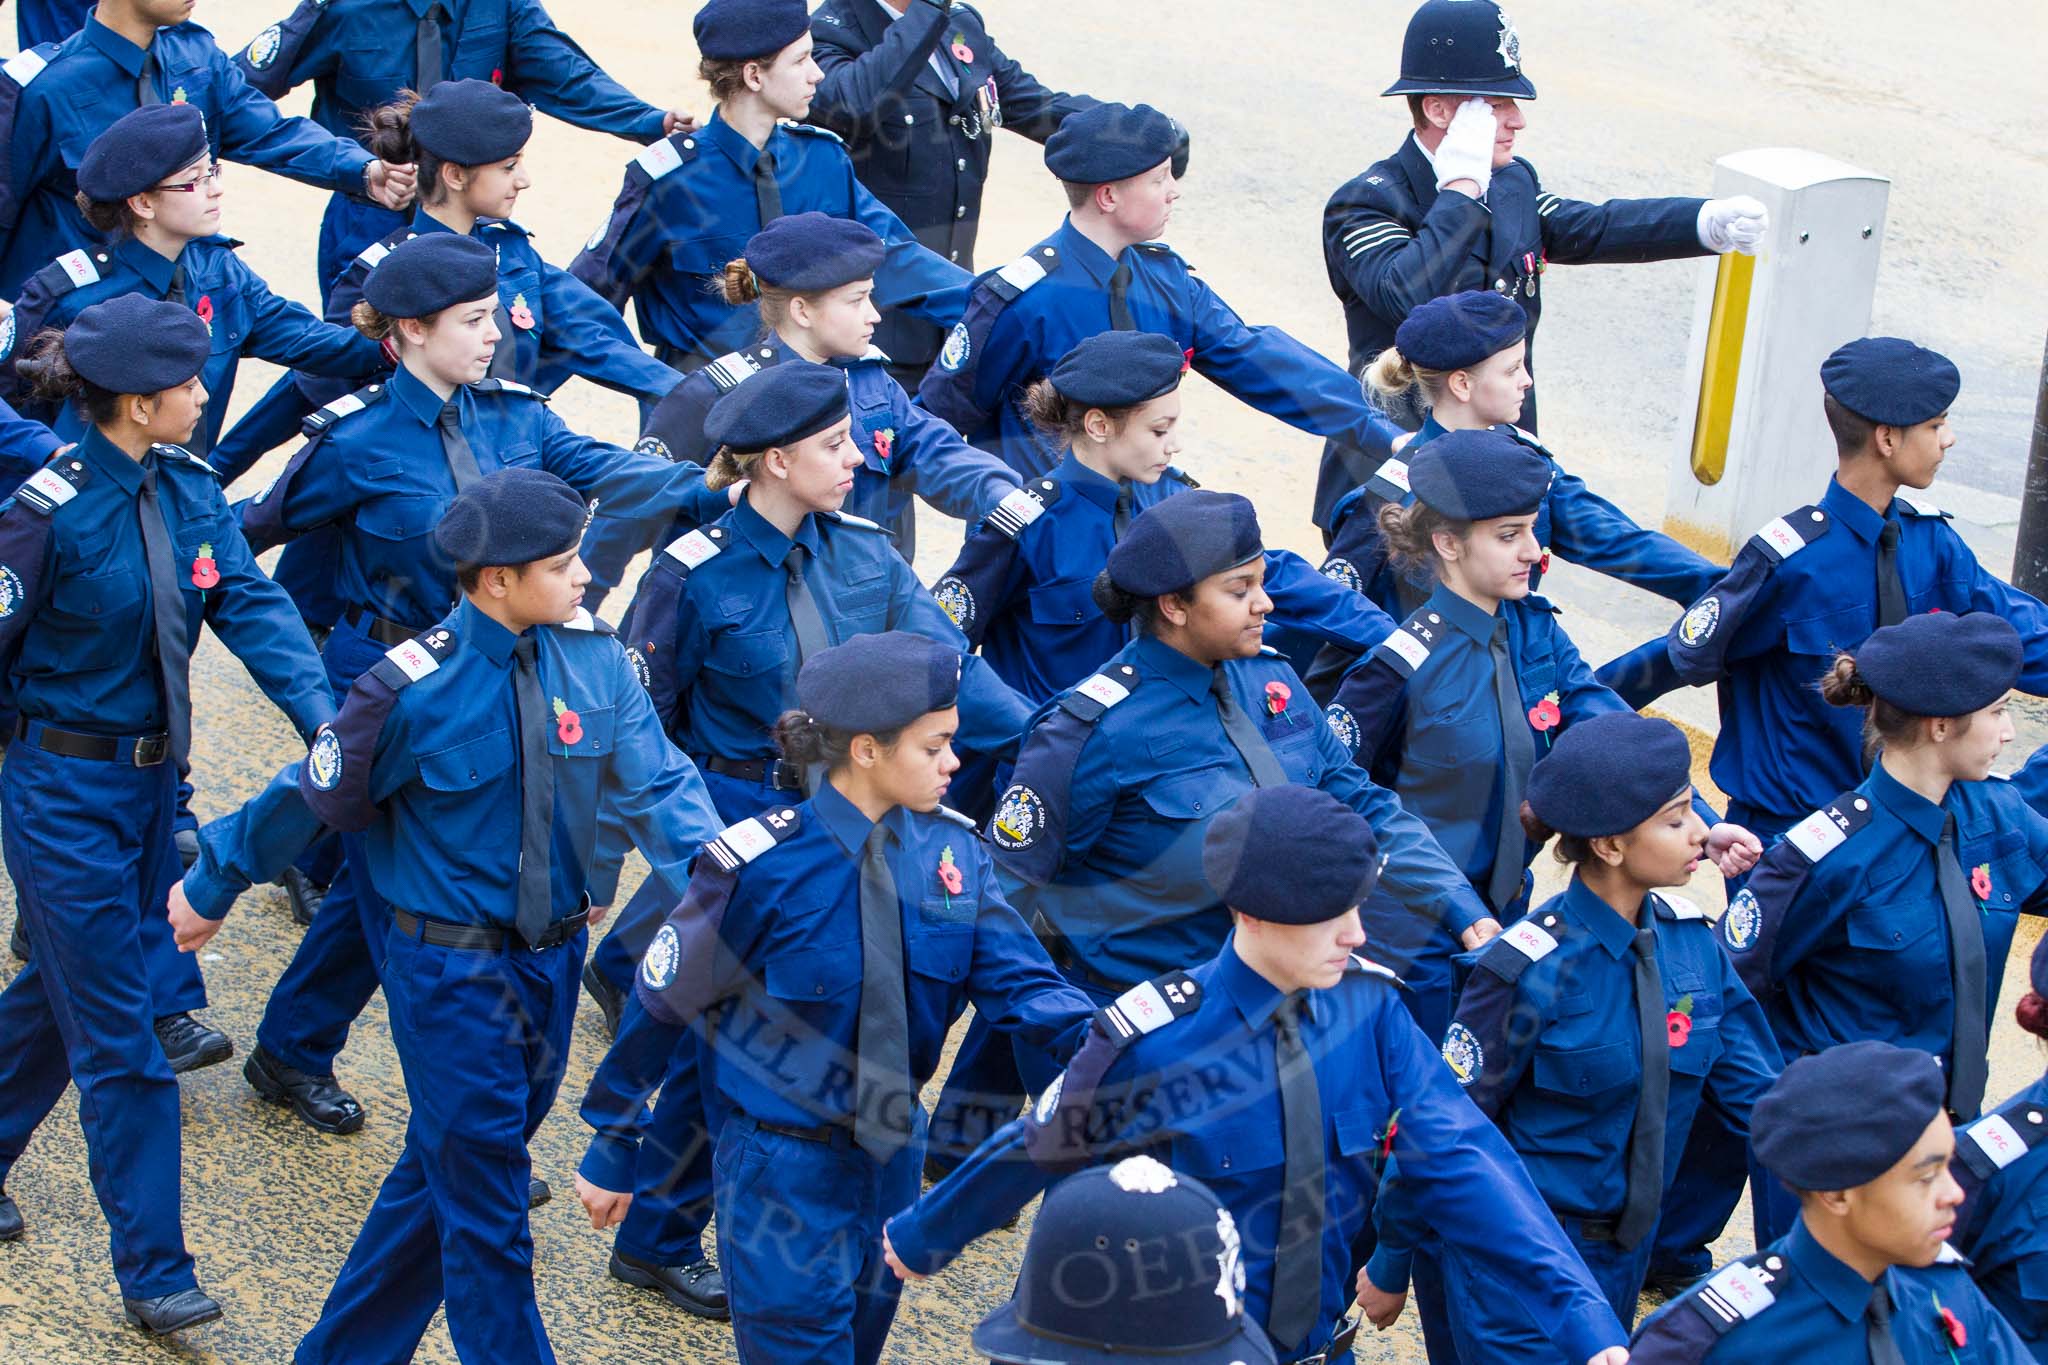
{"x": 693, "y": 549}
{"x": 1787, "y": 536}
{"x": 740, "y": 844}
{"x": 1150, "y": 1005}
{"x": 733, "y": 368}
{"x": 1828, "y": 828}
{"x": 1022, "y": 506}
{"x": 1736, "y": 1293}
{"x": 55, "y": 484}
{"x": 1407, "y": 649}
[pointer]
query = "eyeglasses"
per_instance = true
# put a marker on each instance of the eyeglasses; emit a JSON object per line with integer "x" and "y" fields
{"x": 193, "y": 185}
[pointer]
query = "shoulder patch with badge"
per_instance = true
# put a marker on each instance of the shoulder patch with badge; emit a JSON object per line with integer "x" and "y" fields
{"x": 1019, "y": 818}
{"x": 1743, "y": 918}
{"x": 1408, "y": 648}
{"x": 693, "y": 549}
{"x": 323, "y": 759}
{"x": 55, "y": 484}
{"x": 1149, "y": 1006}
{"x": 1828, "y": 828}
{"x": 740, "y": 844}
{"x": 655, "y": 446}
{"x": 1342, "y": 724}
{"x": 1463, "y": 1054}
{"x": 1022, "y": 506}
{"x": 663, "y": 958}
{"x": 956, "y": 599}
{"x": 733, "y": 368}
{"x": 1701, "y": 619}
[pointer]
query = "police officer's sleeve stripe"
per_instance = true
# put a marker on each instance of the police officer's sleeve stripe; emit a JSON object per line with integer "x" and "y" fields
{"x": 1546, "y": 204}
{"x": 1368, "y": 239}
{"x": 25, "y": 67}
{"x": 731, "y": 369}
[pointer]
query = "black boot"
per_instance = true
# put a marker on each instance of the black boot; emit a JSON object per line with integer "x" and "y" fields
{"x": 305, "y": 895}
{"x": 319, "y": 1100}
{"x": 187, "y": 843}
{"x": 11, "y": 1226}
{"x": 19, "y": 943}
{"x": 170, "y": 1312}
{"x": 189, "y": 1044}
{"x": 695, "y": 1288}
{"x": 537, "y": 1193}
{"x": 609, "y": 999}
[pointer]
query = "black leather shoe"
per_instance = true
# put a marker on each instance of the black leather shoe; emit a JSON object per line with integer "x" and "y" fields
{"x": 695, "y": 1288}
{"x": 189, "y": 1044}
{"x": 537, "y": 1193}
{"x": 19, "y": 942}
{"x": 187, "y": 842}
{"x": 171, "y": 1312}
{"x": 1667, "y": 1283}
{"x": 319, "y": 1100}
{"x": 609, "y": 999}
{"x": 11, "y": 1226}
{"x": 305, "y": 895}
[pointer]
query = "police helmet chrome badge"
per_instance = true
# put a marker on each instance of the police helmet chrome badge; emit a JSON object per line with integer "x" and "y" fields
{"x": 1697, "y": 625}
{"x": 655, "y": 446}
{"x": 957, "y": 598}
{"x": 1510, "y": 43}
{"x": 10, "y": 586}
{"x": 1020, "y": 817}
{"x": 1229, "y": 1264}
{"x": 954, "y": 355}
{"x": 1463, "y": 1053}
{"x": 1143, "y": 1175}
{"x": 323, "y": 760}
{"x": 263, "y": 47}
{"x": 1739, "y": 925}
{"x": 1049, "y": 1102}
{"x": 664, "y": 955}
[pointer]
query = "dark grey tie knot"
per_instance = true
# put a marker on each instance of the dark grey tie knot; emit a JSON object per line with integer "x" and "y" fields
{"x": 1645, "y": 943}
{"x": 449, "y": 416}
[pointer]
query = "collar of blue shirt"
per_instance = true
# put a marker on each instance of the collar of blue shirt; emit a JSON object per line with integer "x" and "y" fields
{"x": 1253, "y": 996}
{"x": 110, "y": 460}
{"x": 1468, "y": 618}
{"x": 481, "y": 633}
{"x": 1845, "y": 1291}
{"x": 1076, "y": 250}
{"x": 421, "y": 401}
{"x": 845, "y": 823}
{"x": 1598, "y": 918}
{"x": 117, "y": 49}
{"x": 738, "y": 150}
{"x": 1175, "y": 667}
{"x": 1925, "y": 818}
{"x": 1853, "y": 512}
{"x": 152, "y": 265}
{"x": 765, "y": 540}
{"x": 1079, "y": 478}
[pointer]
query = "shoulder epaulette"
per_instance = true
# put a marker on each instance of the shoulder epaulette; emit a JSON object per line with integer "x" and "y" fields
{"x": 875, "y": 355}
{"x": 1407, "y": 649}
{"x": 1676, "y": 906}
{"x": 511, "y": 386}
{"x": 1157, "y": 248}
{"x": 1538, "y": 602}
{"x": 2002, "y": 1136}
{"x": 583, "y": 620}
{"x": 657, "y": 159}
{"x": 1022, "y": 506}
{"x": 407, "y": 662}
{"x": 1783, "y": 537}
{"x": 1090, "y": 698}
{"x": 55, "y": 484}
{"x": 729, "y": 370}
{"x": 1828, "y": 828}
{"x": 1149, "y": 1006}
{"x": 1268, "y": 652}
{"x": 1527, "y": 941}
{"x": 501, "y": 225}
{"x": 1365, "y": 966}
{"x": 696, "y": 547}
{"x": 370, "y": 255}
{"x": 1174, "y": 471}
{"x": 655, "y": 446}
{"x": 1923, "y": 509}
{"x": 347, "y": 405}
{"x": 857, "y": 523}
{"x": 174, "y": 452}
{"x": 80, "y": 267}
{"x": 740, "y": 844}
{"x": 1737, "y": 1291}
{"x": 26, "y": 66}
{"x": 813, "y": 130}
{"x": 1019, "y": 275}
{"x": 964, "y": 821}
{"x": 1526, "y": 439}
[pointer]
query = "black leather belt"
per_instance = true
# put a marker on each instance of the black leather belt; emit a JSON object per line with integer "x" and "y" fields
{"x": 1589, "y": 1229}
{"x": 143, "y": 751}
{"x": 377, "y": 628}
{"x": 831, "y": 1134}
{"x": 485, "y": 937}
{"x": 774, "y": 772}
{"x": 1339, "y": 1347}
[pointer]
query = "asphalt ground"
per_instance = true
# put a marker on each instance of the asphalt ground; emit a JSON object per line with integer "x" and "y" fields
{"x": 1283, "y": 105}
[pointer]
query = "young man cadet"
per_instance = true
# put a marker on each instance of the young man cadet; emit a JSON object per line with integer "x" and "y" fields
{"x": 479, "y": 758}
{"x": 1103, "y": 271}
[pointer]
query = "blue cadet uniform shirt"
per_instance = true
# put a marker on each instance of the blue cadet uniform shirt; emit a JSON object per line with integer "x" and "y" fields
{"x": 920, "y": 122}
{"x": 424, "y": 758}
{"x": 237, "y": 305}
{"x": 1578, "y": 524}
{"x": 1101, "y": 829}
{"x": 1392, "y": 241}
{"x": 2003, "y": 1168}
{"x": 1184, "y": 1068}
{"x": 1795, "y": 1301}
{"x": 1025, "y": 316}
{"x": 77, "y": 609}
{"x": 54, "y": 101}
{"x": 1801, "y": 589}
{"x": 1841, "y": 931}
{"x": 374, "y": 465}
{"x": 772, "y": 924}
{"x": 688, "y": 207}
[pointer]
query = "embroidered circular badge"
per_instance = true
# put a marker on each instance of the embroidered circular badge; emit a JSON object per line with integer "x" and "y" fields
{"x": 7, "y": 335}
{"x": 1020, "y": 817}
{"x": 655, "y": 446}
{"x": 1739, "y": 925}
{"x": 957, "y": 598}
{"x": 1697, "y": 625}
{"x": 664, "y": 955}
{"x": 640, "y": 669}
{"x": 1463, "y": 1053}
{"x": 1341, "y": 570}
{"x": 323, "y": 760}
{"x": 1343, "y": 724}
{"x": 263, "y": 47}
{"x": 954, "y": 354}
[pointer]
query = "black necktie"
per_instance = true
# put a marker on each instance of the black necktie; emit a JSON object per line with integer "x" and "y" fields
{"x": 1967, "y": 1072}
{"x": 1891, "y": 593}
{"x": 1518, "y": 755}
{"x": 1244, "y": 736}
{"x": 804, "y": 616}
{"x": 1119, "y": 302}
{"x": 536, "y": 795}
{"x": 883, "y": 1094}
{"x": 505, "y": 359}
{"x": 1298, "y": 1246}
{"x": 1646, "y": 1134}
{"x": 1120, "y": 520}
{"x": 1877, "y": 1328}
{"x": 426, "y": 50}
{"x": 176, "y": 293}
{"x": 462, "y": 466}
{"x": 167, "y": 605}
{"x": 767, "y": 194}
{"x": 145, "y": 83}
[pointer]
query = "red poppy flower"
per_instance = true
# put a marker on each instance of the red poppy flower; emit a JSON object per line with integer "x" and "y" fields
{"x": 205, "y": 573}
{"x": 205, "y": 310}
{"x": 522, "y": 317}
{"x": 1543, "y": 564}
{"x": 963, "y": 52}
{"x": 1952, "y": 1328}
{"x": 1545, "y": 714}
{"x": 568, "y": 725}
{"x": 949, "y": 872}
{"x": 1677, "y": 1028}
{"x": 1187, "y": 360}
{"x": 1980, "y": 881}
{"x": 1277, "y": 696}
{"x": 885, "y": 444}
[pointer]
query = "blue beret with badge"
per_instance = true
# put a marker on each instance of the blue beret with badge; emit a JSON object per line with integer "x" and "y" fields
{"x": 1838, "y": 1119}
{"x": 1128, "y": 1260}
{"x": 876, "y": 683}
{"x": 1891, "y": 380}
{"x": 1609, "y": 773}
{"x": 1176, "y": 543}
{"x": 1111, "y": 142}
{"x": 1476, "y": 474}
{"x": 471, "y": 123}
{"x": 136, "y": 344}
{"x": 1291, "y": 855}
{"x": 778, "y": 406}
{"x": 512, "y": 516}
{"x": 1462, "y": 47}
{"x": 140, "y": 149}
{"x": 807, "y": 253}
{"x": 1939, "y": 664}
{"x": 1457, "y": 331}
{"x": 741, "y": 30}
{"x": 1119, "y": 369}
{"x": 430, "y": 272}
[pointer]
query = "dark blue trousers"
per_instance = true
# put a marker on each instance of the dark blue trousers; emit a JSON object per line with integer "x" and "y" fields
{"x": 669, "y": 1172}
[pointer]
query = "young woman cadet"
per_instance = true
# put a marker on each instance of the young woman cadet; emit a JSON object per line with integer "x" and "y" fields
{"x": 110, "y": 557}
{"x": 1888, "y": 912}
{"x": 1593, "y": 1030}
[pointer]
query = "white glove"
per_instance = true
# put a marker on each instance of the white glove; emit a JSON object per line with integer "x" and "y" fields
{"x": 1736, "y": 224}
{"x": 1466, "y": 153}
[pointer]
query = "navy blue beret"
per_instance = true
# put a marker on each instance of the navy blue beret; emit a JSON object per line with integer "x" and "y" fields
{"x": 512, "y": 516}
{"x": 136, "y": 344}
{"x": 1475, "y": 474}
{"x": 1458, "y": 331}
{"x": 1290, "y": 854}
{"x": 1609, "y": 773}
{"x": 1129, "y": 1260}
{"x": 1177, "y": 543}
{"x": 139, "y": 149}
{"x": 811, "y": 252}
{"x": 1890, "y": 380}
{"x": 1842, "y": 1118}
{"x": 880, "y": 682}
{"x": 741, "y": 30}
{"x": 1937, "y": 664}
{"x": 471, "y": 123}
{"x": 1119, "y": 369}
{"x": 432, "y": 271}
{"x": 778, "y": 406}
{"x": 1114, "y": 142}
{"x": 1461, "y": 47}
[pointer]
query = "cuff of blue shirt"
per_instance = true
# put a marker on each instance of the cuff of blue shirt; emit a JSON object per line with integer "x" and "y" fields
{"x": 648, "y": 127}
{"x": 211, "y": 891}
{"x": 1463, "y": 910}
{"x": 1389, "y": 1268}
{"x": 908, "y": 1240}
{"x": 603, "y": 882}
{"x": 1591, "y": 1331}
{"x": 609, "y": 1161}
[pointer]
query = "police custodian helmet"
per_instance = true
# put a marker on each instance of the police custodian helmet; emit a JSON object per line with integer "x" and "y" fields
{"x": 1462, "y": 47}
